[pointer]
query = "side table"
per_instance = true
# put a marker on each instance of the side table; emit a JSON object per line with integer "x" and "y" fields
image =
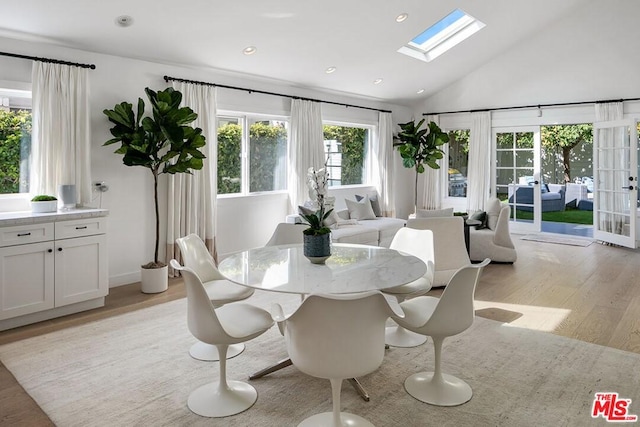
{"x": 469, "y": 223}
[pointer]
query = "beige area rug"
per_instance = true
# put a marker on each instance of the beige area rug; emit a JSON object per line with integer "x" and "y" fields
{"x": 560, "y": 240}
{"x": 134, "y": 370}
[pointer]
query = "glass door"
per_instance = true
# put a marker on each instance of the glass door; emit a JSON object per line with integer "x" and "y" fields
{"x": 615, "y": 172}
{"x": 517, "y": 175}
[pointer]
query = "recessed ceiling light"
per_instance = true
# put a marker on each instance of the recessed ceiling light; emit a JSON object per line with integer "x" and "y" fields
{"x": 402, "y": 17}
{"x": 330, "y": 70}
{"x": 250, "y": 50}
{"x": 420, "y": 91}
{"x": 377, "y": 81}
{"x": 124, "y": 21}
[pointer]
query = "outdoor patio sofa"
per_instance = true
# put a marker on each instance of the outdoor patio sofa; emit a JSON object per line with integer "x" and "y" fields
{"x": 552, "y": 196}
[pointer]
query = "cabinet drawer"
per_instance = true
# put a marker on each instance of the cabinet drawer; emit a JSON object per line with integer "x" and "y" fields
{"x": 27, "y": 233}
{"x": 80, "y": 227}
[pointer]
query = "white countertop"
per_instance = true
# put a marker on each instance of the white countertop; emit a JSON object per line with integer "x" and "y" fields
{"x": 350, "y": 268}
{"x": 28, "y": 217}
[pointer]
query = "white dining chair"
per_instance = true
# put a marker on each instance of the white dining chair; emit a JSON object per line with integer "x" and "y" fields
{"x": 286, "y": 234}
{"x": 337, "y": 337}
{"x": 439, "y": 318}
{"x": 221, "y": 327}
{"x": 220, "y": 291}
{"x": 418, "y": 243}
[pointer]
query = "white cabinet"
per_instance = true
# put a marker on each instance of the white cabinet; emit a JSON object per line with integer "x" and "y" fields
{"x": 52, "y": 269}
{"x": 26, "y": 278}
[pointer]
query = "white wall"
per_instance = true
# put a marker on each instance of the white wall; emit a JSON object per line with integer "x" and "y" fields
{"x": 243, "y": 222}
{"x": 590, "y": 55}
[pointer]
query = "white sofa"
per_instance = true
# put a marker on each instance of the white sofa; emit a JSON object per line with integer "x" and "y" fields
{"x": 374, "y": 232}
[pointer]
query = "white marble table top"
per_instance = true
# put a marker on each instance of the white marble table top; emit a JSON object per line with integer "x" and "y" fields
{"x": 350, "y": 268}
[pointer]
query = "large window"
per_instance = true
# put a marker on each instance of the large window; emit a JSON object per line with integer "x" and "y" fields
{"x": 15, "y": 140}
{"x": 345, "y": 148}
{"x": 458, "y": 162}
{"x": 252, "y": 154}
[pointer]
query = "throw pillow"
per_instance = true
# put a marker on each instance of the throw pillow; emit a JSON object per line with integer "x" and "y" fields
{"x": 479, "y": 216}
{"x": 360, "y": 210}
{"x": 493, "y": 212}
{"x": 375, "y": 203}
{"x": 434, "y": 213}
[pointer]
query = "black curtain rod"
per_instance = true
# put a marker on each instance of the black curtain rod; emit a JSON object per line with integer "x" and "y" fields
{"x": 53, "y": 61}
{"x": 167, "y": 79}
{"x": 560, "y": 104}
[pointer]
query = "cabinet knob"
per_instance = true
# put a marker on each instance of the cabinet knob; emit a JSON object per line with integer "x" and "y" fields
{"x": 59, "y": 249}
{"x": 49, "y": 250}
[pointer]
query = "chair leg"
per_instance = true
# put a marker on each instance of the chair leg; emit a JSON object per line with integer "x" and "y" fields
{"x": 397, "y": 336}
{"x": 222, "y": 398}
{"x": 435, "y": 387}
{"x": 209, "y": 353}
{"x": 336, "y": 387}
{"x": 335, "y": 418}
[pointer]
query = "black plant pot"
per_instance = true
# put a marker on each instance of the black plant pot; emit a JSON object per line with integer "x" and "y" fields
{"x": 317, "y": 248}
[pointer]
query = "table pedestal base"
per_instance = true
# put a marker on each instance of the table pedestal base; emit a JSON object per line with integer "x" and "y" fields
{"x": 287, "y": 362}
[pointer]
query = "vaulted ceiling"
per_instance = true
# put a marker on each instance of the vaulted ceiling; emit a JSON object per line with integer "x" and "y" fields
{"x": 296, "y": 40}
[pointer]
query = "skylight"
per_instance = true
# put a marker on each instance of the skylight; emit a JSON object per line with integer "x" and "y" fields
{"x": 442, "y": 36}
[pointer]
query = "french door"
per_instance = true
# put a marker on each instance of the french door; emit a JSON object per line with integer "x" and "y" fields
{"x": 516, "y": 175}
{"x": 615, "y": 172}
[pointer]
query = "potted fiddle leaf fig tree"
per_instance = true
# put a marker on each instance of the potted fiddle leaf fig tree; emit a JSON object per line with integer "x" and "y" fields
{"x": 419, "y": 147}
{"x": 162, "y": 142}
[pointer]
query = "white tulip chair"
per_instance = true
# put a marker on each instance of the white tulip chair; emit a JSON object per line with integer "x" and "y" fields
{"x": 221, "y": 327}
{"x": 336, "y": 337}
{"x": 440, "y": 318}
{"x": 220, "y": 291}
{"x": 418, "y": 243}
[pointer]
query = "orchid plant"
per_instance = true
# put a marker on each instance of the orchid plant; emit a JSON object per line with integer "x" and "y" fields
{"x": 317, "y": 183}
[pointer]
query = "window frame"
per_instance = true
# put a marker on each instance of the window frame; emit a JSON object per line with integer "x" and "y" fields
{"x": 367, "y": 162}
{"x": 18, "y": 87}
{"x": 244, "y": 118}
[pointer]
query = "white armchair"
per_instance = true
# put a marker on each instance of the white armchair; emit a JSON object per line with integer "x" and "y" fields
{"x": 495, "y": 241}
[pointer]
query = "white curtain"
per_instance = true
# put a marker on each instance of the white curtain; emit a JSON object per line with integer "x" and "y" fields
{"x": 60, "y": 144}
{"x": 191, "y": 198}
{"x": 382, "y": 164}
{"x": 479, "y": 172}
{"x": 611, "y": 143}
{"x": 306, "y": 148}
{"x": 432, "y": 178}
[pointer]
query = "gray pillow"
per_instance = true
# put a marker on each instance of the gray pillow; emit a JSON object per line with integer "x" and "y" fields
{"x": 479, "y": 216}
{"x": 375, "y": 203}
{"x": 360, "y": 210}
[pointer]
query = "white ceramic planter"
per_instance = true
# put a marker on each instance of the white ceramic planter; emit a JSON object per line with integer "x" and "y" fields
{"x": 154, "y": 280}
{"x": 42, "y": 207}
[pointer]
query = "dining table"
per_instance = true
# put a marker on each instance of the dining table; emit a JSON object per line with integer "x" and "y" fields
{"x": 351, "y": 268}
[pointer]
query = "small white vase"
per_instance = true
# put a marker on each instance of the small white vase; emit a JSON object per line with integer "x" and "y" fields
{"x": 45, "y": 206}
{"x": 154, "y": 280}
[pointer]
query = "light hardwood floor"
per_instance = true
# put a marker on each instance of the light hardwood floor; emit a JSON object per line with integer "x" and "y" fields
{"x": 587, "y": 293}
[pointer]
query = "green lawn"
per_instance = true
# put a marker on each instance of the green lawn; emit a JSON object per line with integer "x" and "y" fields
{"x": 570, "y": 215}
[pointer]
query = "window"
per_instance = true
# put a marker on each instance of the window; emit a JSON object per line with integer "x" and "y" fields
{"x": 458, "y": 162}
{"x": 345, "y": 149}
{"x": 253, "y": 161}
{"x": 15, "y": 140}
{"x": 442, "y": 36}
